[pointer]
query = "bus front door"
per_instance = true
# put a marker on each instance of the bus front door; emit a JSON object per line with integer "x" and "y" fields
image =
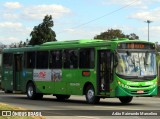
{"x": 104, "y": 71}
{"x": 17, "y": 70}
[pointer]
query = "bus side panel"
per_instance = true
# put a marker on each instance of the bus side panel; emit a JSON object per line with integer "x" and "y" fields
{"x": 76, "y": 79}
{"x": 26, "y": 75}
{"x": 69, "y": 81}
{"x": 45, "y": 87}
{"x": 73, "y": 80}
{"x": 113, "y": 87}
{"x": 60, "y": 78}
{"x": 7, "y": 79}
{"x": 43, "y": 81}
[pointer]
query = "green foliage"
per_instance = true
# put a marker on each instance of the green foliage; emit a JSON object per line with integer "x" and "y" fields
{"x": 115, "y": 33}
{"x": 157, "y": 47}
{"x": 43, "y": 32}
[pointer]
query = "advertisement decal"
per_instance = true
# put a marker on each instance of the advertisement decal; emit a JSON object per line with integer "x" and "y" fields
{"x": 42, "y": 75}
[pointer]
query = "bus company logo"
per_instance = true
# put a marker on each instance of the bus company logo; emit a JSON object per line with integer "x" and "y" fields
{"x": 6, "y": 113}
{"x": 42, "y": 74}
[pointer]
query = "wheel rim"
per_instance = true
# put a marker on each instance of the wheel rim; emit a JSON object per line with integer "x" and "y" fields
{"x": 90, "y": 94}
{"x": 30, "y": 91}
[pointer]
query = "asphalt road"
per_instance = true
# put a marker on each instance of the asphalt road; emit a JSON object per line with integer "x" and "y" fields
{"x": 77, "y": 108}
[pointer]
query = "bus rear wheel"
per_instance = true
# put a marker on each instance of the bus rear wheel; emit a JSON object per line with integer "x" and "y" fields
{"x": 31, "y": 92}
{"x": 90, "y": 95}
{"x": 126, "y": 99}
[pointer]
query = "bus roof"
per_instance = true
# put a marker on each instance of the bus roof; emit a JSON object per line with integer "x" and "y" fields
{"x": 73, "y": 44}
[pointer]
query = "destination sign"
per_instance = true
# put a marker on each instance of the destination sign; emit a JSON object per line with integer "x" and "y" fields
{"x": 135, "y": 46}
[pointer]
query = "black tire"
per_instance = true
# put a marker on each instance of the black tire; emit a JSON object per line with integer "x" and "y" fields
{"x": 126, "y": 100}
{"x": 62, "y": 97}
{"x": 39, "y": 96}
{"x": 90, "y": 95}
{"x": 31, "y": 92}
{"x": 8, "y": 91}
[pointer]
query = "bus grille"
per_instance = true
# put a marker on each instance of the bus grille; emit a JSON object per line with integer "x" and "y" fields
{"x": 135, "y": 92}
{"x": 139, "y": 86}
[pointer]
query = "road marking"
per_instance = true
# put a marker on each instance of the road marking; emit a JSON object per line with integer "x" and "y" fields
{"x": 117, "y": 108}
{"x": 88, "y": 117}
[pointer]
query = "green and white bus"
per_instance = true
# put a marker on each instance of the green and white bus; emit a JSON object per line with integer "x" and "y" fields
{"x": 119, "y": 68}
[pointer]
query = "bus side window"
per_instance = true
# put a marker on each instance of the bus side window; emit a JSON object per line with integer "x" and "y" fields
{"x": 55, "y": 60}
{"x": 70, "y": 59}
{"x": 73, "y": 59}
{"x": 7, "y": 60}
{"x": 86, "y": 58}
{"x": 42, "y": 59}
{"x": 18, "y": 63}
{"x": 30, "y": 59}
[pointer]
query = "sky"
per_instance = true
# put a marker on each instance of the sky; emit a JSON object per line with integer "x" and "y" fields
{"x": 79, "y": 19}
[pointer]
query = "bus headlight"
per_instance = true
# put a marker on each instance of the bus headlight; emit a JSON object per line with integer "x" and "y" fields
{"x": 122, "y": 85}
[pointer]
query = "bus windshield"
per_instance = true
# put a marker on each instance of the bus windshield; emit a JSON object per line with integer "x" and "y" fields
{"x": 139, "y": 64}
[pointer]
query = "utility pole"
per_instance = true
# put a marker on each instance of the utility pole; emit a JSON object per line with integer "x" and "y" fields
{"x": 148, "y": 21}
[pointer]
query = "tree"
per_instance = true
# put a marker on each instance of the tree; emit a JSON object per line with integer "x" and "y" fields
{"x": 132, "y": 36}
{"x": 115, "y": 33}
{"x": 43, "y": 32}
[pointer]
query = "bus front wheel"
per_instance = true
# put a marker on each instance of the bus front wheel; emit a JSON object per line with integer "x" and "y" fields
{"x": 126, "y": 99}
{"x": 90, "y": 95}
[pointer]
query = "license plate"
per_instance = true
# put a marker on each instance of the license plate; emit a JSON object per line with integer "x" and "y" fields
{"x": 140, "y": 91}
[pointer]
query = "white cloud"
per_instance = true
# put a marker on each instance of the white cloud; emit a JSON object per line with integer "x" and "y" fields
{"x": 144, "y": 15}
{"x": 9, "y": 40}
{"x": 12, "y": 5}
{"x": 13, "y": 27}
{"x": 155, "y": 33}
{"x": 10, "y": 25}
{"x": 135, "y": 3}
{"x": 69, "y": 30}
{"x": 39, "y": 11}
{"x": 34, "y": 12}
{"x": 13, "y": 32}
{"x": 10, "y": 16}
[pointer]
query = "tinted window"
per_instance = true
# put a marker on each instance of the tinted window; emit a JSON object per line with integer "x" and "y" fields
{"x": 7, "y": 59}
{"x": 70, "y": 58}
{"x": 86, "y": 59}
{"x": 30, "y": 59}
{"x": 42, "y": 59}
{"x": 55, "y": 60}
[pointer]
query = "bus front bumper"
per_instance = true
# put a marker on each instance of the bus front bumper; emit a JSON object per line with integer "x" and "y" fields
{"x": 120, "y": 91}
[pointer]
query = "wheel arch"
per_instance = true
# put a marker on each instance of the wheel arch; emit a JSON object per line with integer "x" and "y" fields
{"x": 85, "y": 86}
